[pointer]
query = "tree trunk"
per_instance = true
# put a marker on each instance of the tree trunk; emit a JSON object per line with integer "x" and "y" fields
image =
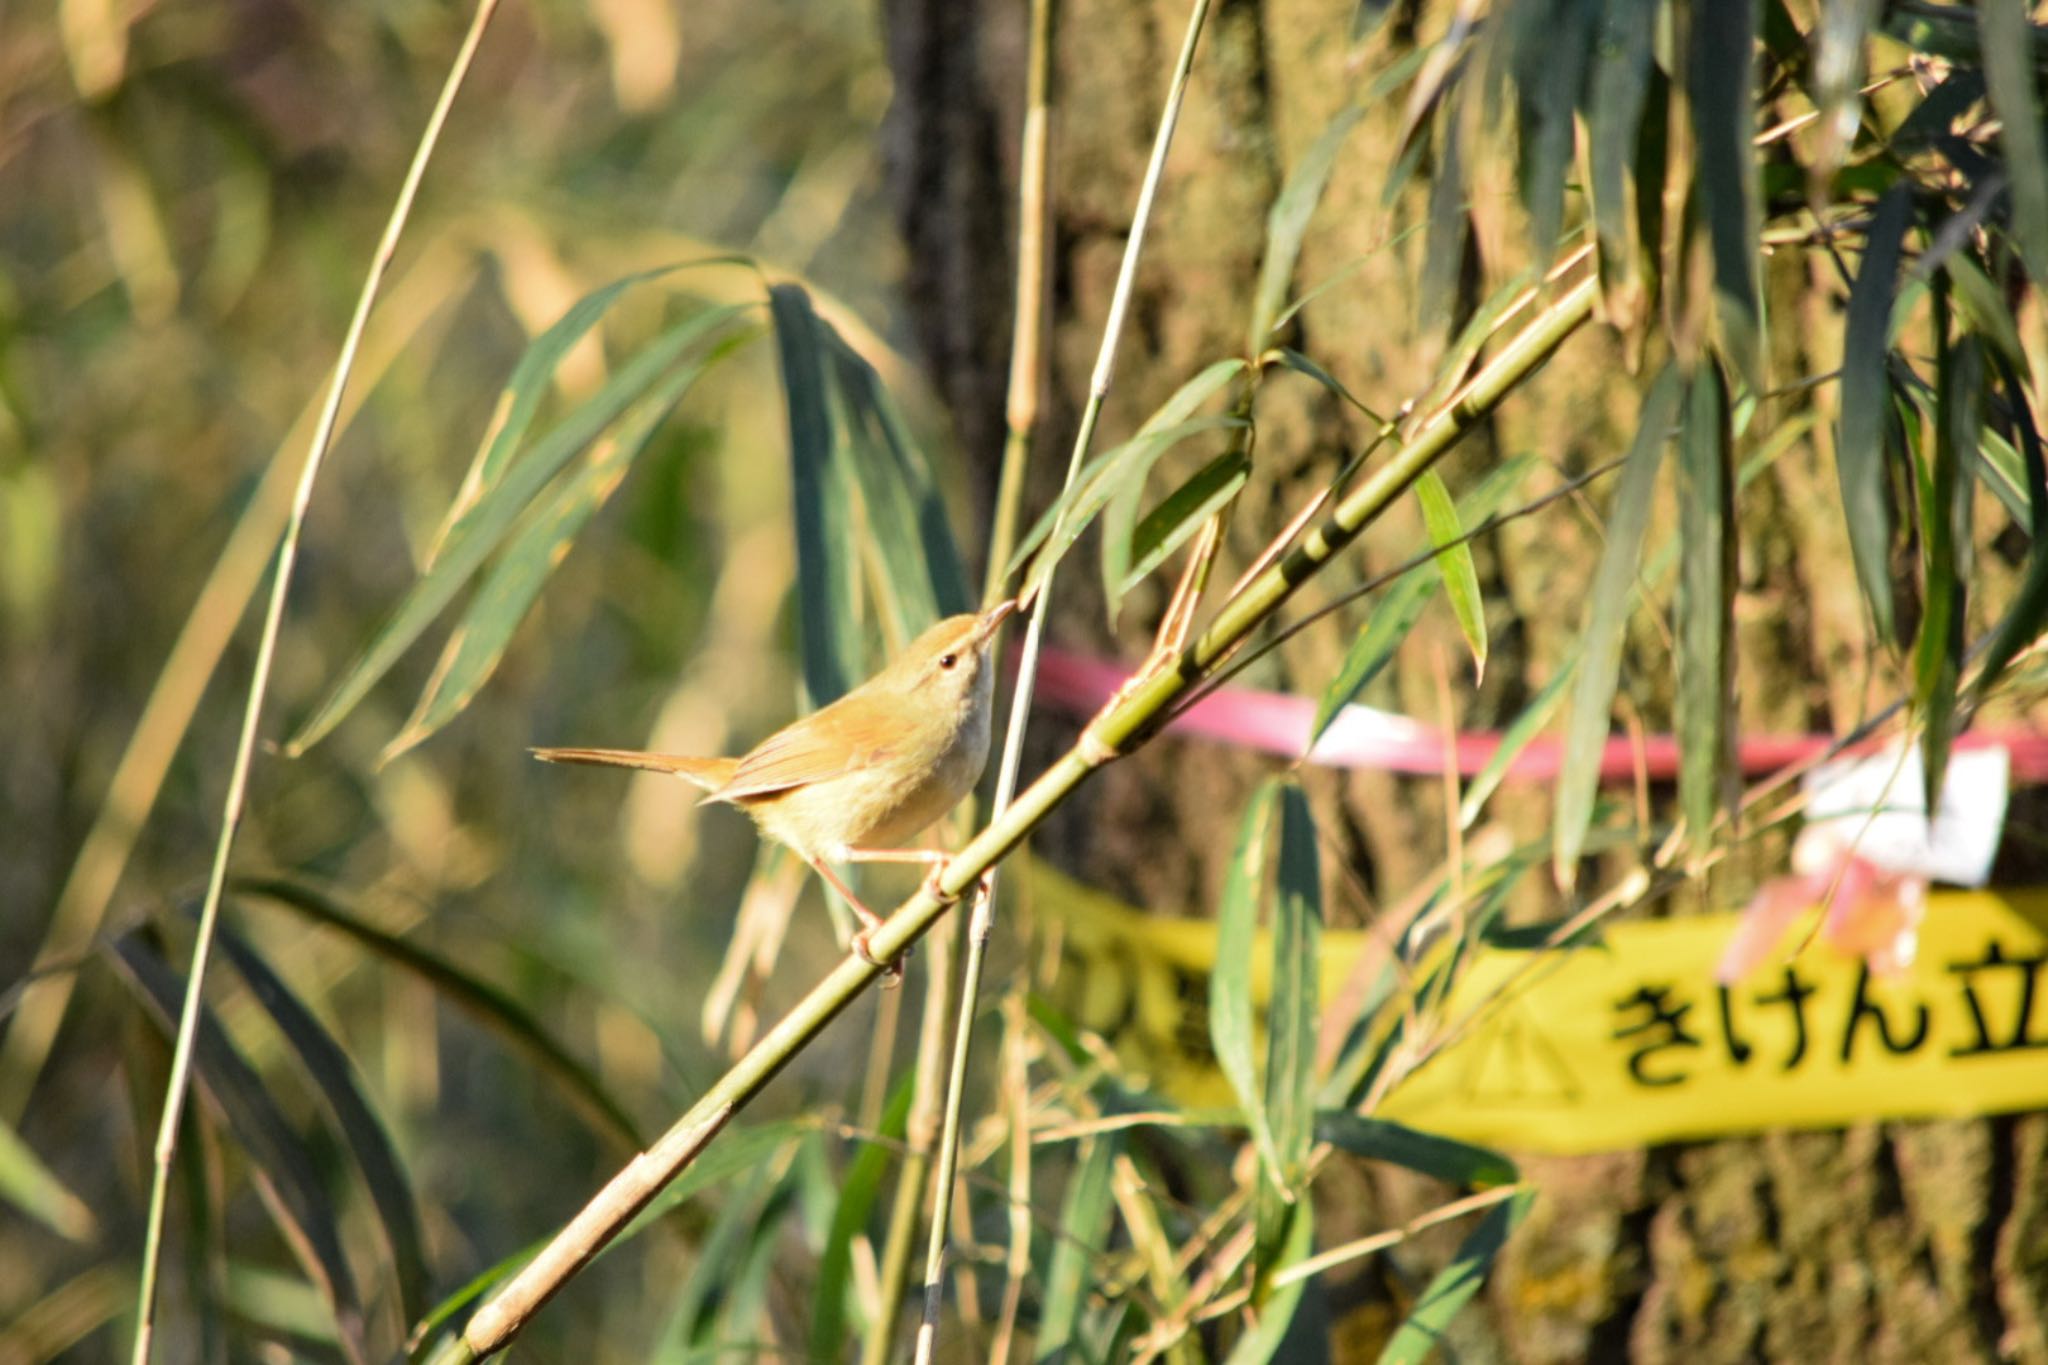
{"x": 1905, "y": 1242}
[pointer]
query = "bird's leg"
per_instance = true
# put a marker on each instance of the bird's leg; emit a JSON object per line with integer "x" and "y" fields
{"x": 935, "y": 858}
{"x": 870, "y": 921}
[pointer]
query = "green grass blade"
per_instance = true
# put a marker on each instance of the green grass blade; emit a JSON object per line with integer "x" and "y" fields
{"x": 827, "y": 559}
{"x": 1230, "y": 988}
{"x": 1421, "y": 1333}
{"x": 1287, "y": 221}
{"x": 1182, "y": 513}
{"x": 298, "y": 1202}
{"x": 1454, "y": 562}
{"x": 335, "y": 1077}
{"x": 1441, "y": 1158}
{"x": 1705, "y": 656}
{"x": 487, "y": 1004}
{"x": 472, "y": 651}
{"x": 1084, "y": 1229}
{"x": 2009, "y": 61}
{"x": 478, "y": 533}
{"x": 1721, "y": 76}
{"x": 1400, "y": 607}
{"x": 1606, "y": 628}
{"x": 1860, "y": 444}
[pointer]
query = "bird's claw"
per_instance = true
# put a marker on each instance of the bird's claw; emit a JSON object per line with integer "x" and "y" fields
{"x": 892, "y": 972}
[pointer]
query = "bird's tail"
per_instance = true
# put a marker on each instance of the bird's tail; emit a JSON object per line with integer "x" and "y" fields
{"x": 708, "y": 773}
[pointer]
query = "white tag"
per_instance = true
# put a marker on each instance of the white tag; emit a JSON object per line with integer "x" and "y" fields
{"x": 1957, "y": 846}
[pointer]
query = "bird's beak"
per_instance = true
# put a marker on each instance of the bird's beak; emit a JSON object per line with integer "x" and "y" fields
{"x": 993, "y": 617}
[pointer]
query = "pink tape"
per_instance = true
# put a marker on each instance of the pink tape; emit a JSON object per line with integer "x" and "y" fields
{"x": 1363, "y": 737}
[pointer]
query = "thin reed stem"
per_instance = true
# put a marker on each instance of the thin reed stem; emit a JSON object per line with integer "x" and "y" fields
{"x": 982, "y": 924}
{"x": 179, "y": 1083}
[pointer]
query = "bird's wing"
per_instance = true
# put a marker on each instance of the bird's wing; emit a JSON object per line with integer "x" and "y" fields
{"x": 846, "y": 736}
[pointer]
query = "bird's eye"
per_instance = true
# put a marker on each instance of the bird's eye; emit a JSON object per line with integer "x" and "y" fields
{"x": 948, "y": 660}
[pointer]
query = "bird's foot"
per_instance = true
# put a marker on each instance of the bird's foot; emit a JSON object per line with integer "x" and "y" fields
{"x": 892, "y": 972}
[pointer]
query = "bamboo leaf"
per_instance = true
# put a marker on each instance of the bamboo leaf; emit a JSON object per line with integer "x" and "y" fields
{"x": 2004, "y": 472}
{"x": 1945, "y": 494}
{"x": 1230, "y": 987}
{"x": 1721, "y": 75}
{"x": 472, "y": 652}
{"x": 520, "y": 401}
{"x": 1084, "y": 1227}
{"x": 2009, "y": 71}
{"x": 1289, "y": 358}
{"x": 484, "y": 1002}
{"x": 478, "y": 532}
{"x": 1705, "y": 656}
{"x": 1526, "y": 726}
{"x": 1123, "y": 480}
{"x": 1454, "y": 562}
{"x": 1421, "y": 1332}
{"x": 749, "y": 1206}
{"x": 1550, "y": 60}
{"x": 2025, "y": 618}
{"x": 1860, "y": 444}
{"x": 1400, "y": 607}
{"x": 1181, "y": 513}
{"x": 278, "y": 1159}
{"x": 335, "y": 1077}
{"x": 1980, "y": 302}
{"x": 1287, "y": 221}
{"x": 850, "y": 1220}
{"x": 1838, "y": 63}
{"x": 1619, "y": 85}
{"x": 903, "y": 500}
{"x": 426, "y": 1331}
{"x": 827, "y": 556}
{"x": 1117, "y": 496}
{"x": 1606, "y": 629}
{"x": 1293, "y": 1017}
{"x": 1443, "y": 251}
{"x": 1092, "y": 486}
{"x": 1441, "y": 1158}
{"x": 31, "y": 1186}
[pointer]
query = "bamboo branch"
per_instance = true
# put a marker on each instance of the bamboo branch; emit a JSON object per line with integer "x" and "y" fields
{"x": 1125, "y": 723}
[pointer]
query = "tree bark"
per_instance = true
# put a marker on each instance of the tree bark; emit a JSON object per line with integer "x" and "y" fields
{"x": 1894, "y": 1242}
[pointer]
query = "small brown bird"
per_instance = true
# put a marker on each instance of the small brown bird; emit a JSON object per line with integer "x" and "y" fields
{"x": 851, "y": 780}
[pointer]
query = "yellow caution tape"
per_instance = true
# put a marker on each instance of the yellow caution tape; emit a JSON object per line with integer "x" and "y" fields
{"x": 1630, "y": 1041}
